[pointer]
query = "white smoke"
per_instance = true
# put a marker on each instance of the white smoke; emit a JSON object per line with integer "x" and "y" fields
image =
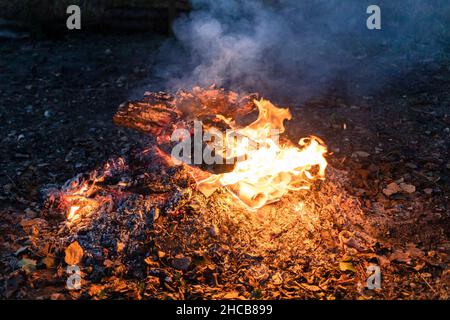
{"x": 296, "y": 49}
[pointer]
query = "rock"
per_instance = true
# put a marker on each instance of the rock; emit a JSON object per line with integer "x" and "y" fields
{"x": 27, "y": 265}
{"x": 30, "y": 213}
{"x": 181, "y": 262}
{"x": 428, "y": 190}
{"x": 411, "y": 165}
{"x": 408, "y": 188}
{"x": 360, "y": 154}
{"x": 74, "y": 252}
{"x": 391, "y": 189}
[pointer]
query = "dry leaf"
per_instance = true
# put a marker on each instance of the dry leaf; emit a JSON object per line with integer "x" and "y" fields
{"x": 346, "y": 266}
{"x": 95, "y": 289}
{"x": 150, "y": 262}
{"x": 108, "y": 263}
{"x": 400, "y": 256}
{"x": 49, "y": 262}
{"x": 231, "y": 295}
{"x": 74, "y": 253}
{"x": 310, "y": 287}
{"x": 120, "y": 246}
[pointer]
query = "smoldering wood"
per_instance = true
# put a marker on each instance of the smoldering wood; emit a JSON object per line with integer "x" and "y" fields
{"x": 159, "y": 114}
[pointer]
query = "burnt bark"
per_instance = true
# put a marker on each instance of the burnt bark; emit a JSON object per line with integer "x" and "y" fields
{"x": 159, "y": 113}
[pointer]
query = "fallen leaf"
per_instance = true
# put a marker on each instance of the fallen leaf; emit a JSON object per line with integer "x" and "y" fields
{"x": 74, "y": 253}
{"x": 152, "y": 282}
{"x": 95, "y": 289}
{"x": 400, "y": 256}
{"x": 150, "y": 262}
{"x": 56, "y": 296}
{"x": 120, "y": 246}
{"x": 108, "y": 263}
{"x": 310, "y": 287}
{"x": 231, "y": 295}
{"x": 346, "y": 266}
{"x": 181, "y": 262}
{"x": 49, "y": 262}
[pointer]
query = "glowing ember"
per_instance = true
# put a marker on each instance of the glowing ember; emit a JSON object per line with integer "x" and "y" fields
{"x": 80, "y": 196}
{"x": 267, "y": 170}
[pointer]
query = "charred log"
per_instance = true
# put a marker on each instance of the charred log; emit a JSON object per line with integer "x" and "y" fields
{"x": 161, "y": 112}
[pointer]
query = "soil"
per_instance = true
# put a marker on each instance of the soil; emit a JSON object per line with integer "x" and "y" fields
{"x": 58, "y": 98}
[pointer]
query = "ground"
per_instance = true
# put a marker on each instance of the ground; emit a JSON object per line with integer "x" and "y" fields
{"x": 57, "y": 102}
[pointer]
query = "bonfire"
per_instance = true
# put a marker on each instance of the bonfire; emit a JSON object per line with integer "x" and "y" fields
{"x": 260, "y": 168}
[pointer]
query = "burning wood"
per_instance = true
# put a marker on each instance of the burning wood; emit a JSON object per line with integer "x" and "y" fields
{"x": 160, "y": 113}
{"x": 115, "y": 211}
{"x": 259, "y": 170}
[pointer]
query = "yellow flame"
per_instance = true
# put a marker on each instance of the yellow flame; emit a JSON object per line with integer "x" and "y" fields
{"x": 73, "y": 213}
{"x": 268, "y": 172}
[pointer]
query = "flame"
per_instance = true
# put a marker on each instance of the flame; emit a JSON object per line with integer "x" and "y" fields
{"x": 79, "y": 196}
{"x": 267, "y": 170}
{"x": 72, "y": 215}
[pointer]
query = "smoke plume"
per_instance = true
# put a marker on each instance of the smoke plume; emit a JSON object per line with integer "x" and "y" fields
{"x": 298, "y": 49}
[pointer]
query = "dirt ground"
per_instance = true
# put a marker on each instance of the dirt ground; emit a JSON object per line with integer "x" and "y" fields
{"x": 57, "y": 102}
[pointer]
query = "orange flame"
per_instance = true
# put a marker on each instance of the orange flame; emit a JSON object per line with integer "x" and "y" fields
{"x": 79, "y": 196}
{"x": 266, "y": 173}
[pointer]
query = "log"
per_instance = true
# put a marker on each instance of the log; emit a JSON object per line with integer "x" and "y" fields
{"x": 154, "y": 115}
{"x": 160, "y": 113}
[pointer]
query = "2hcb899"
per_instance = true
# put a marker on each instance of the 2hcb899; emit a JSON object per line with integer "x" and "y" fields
{"x": 245, "y": 309}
